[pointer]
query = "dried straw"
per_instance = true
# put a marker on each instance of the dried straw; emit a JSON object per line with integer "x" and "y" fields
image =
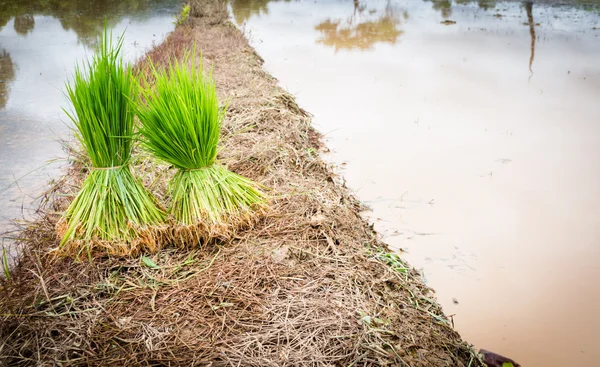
{"x": 308, "y": 285}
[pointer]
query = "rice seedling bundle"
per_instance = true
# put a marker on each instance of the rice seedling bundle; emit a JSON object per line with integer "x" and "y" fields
{"x": 181, "y": 123}
{"x": 112, "y": 212}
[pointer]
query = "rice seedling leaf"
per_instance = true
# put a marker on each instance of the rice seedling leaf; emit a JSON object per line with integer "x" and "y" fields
{"x": 149, "y": 263}
{"x": 181, "y": 124}
{"x": 5, "y": 267}
{"x": 112, "y": 205}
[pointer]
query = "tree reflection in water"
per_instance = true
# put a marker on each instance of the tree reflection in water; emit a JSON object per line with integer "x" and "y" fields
{"x": 24, "y": 24}
{"x": 7, "y": 75}
{"x": 85, "y": 17}
{"x": 244, "y": 9}
{"x": 363, "y": 28}
{"x": 445, "y": 6}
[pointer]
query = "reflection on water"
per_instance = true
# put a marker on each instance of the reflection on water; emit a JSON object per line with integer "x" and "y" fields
{"x": 7, "y": 75}
{"x": 244, "y": 9}
{"x": 488, "y": 178}
{"x": 529, "y": 9}
{"x": 359, "y": 30}
{"x": 40, "y": 43}
{"x": 85, "y": 17}
{"x": 24, "y": 24}
{"x": 443, "y": 6}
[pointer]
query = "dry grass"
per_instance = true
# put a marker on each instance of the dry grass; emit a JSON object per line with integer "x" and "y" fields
{"x": 307, "y": 285}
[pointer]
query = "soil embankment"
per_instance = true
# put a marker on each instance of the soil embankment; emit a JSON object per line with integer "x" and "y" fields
{"x": 310, "y": 284}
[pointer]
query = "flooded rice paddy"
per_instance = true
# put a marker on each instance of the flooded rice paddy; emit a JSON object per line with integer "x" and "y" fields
{"x": 40, "y": 44}
{"x": 472, "y": 130}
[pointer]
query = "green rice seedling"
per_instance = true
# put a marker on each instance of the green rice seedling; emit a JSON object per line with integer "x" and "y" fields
{"x": 5, "y": 266}
{"x": 112, "y": 212}
{"x": 181, "y": 124}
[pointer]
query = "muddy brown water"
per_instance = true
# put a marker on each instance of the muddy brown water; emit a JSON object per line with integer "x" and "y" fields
{"x": 472, "y": 130}
{"x": 40, "y": 44}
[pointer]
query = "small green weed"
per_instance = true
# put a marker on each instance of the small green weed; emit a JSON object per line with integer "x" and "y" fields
{"x": 5, "y": 267}
{"x": 182, "y": 17}
{"x": 394, "y": 261}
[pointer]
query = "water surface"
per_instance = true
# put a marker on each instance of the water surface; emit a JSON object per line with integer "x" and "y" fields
{"x": 40, "y": 44}
{"x": 472, "y": 130}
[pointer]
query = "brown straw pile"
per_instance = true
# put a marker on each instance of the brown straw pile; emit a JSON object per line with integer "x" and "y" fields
{"x": 304, "y": 286}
